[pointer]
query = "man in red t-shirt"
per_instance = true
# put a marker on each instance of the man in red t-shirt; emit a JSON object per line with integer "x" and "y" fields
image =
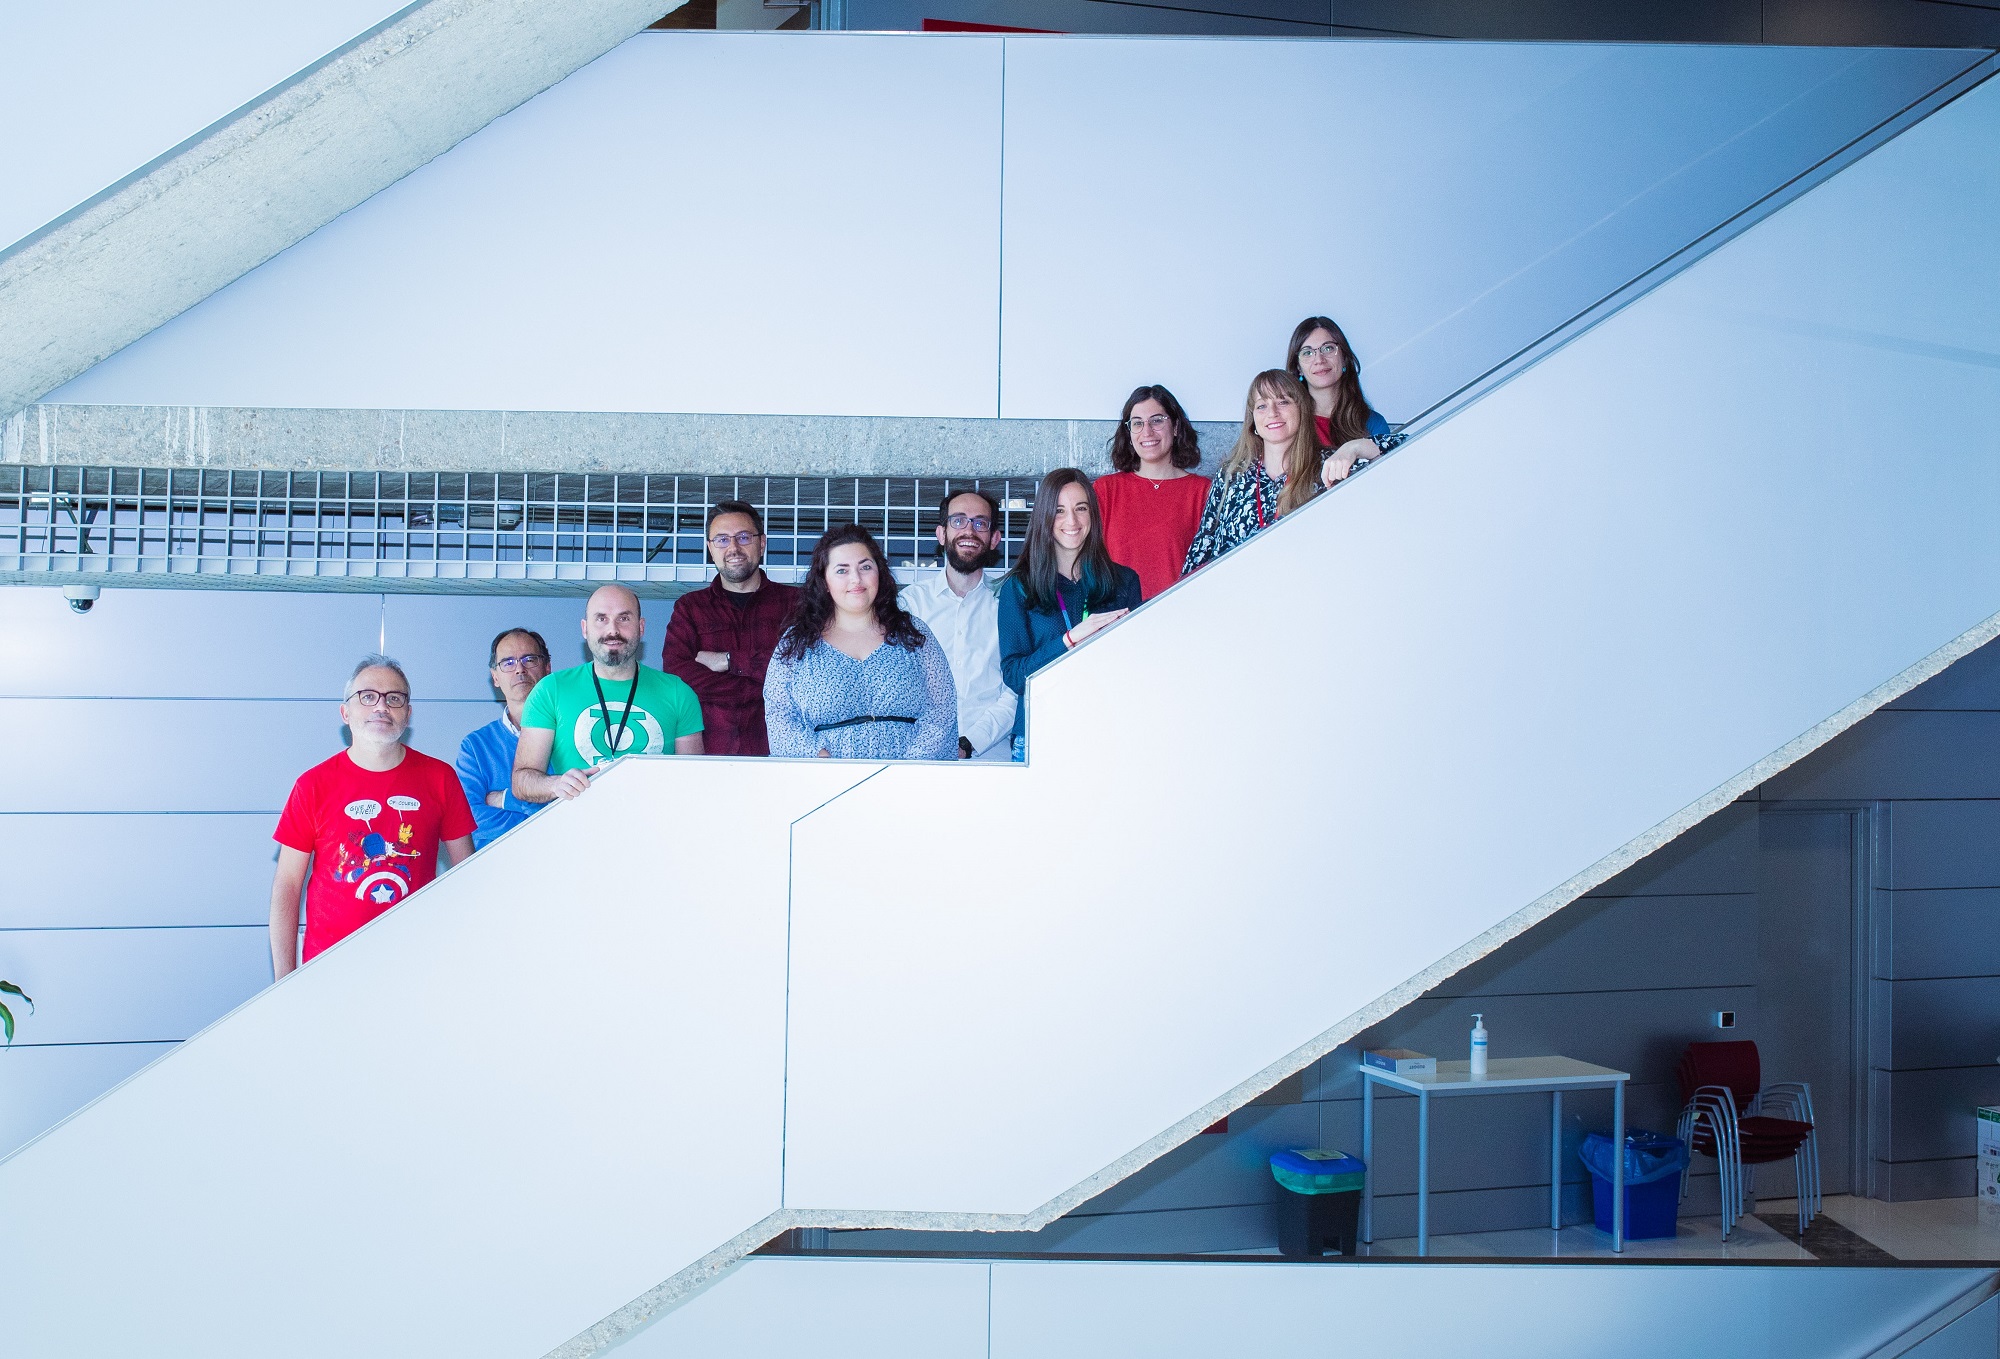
{"x": 366, "y": 825}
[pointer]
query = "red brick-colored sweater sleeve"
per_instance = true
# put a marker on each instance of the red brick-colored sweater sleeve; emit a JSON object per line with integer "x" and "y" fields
{"x": 732, "y": 701}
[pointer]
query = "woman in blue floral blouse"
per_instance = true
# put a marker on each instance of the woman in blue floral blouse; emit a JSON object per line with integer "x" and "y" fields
{"x": 1273, "y": 469}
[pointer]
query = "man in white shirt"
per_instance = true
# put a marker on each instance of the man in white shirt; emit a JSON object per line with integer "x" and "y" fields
{"x": 962, "y": 610}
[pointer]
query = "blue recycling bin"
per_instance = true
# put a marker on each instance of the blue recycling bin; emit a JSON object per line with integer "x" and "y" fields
{"x": 1653, "y": 1165}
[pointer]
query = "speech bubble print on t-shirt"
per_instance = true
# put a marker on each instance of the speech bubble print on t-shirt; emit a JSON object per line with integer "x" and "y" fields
{"x": 404, "y": 804}
{"x": 364, "y": 809}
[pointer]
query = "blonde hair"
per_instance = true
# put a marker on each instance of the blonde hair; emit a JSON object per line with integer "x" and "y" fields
{"x": 1301, "y": 457}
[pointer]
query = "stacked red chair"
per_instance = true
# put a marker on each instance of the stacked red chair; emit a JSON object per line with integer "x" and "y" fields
{"x": 1733, "y": 1118}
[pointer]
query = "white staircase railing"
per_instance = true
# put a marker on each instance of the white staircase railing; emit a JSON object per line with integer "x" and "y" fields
{"x": 717, "y": 998}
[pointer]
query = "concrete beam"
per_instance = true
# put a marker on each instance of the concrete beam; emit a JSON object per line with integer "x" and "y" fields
{"x": 560, "y": 441}
{"x": 259, "y": 181}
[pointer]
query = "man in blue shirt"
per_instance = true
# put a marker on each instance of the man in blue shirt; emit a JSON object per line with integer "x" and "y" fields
{"x": 518, "y": 659}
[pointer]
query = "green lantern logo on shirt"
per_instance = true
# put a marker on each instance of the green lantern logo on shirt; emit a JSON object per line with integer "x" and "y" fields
{"x": 642, "y": 735}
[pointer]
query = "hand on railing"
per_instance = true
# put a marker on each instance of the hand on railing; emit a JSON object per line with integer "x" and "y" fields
{"x": 1339, "y": 463}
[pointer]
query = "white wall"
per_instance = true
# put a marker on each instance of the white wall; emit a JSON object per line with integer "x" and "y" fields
{"x": 97, "y": 88}
{"x": 944, "y": 225}
{"x": 889, "y": 1309}
{"x": 1549, "y": 633}
{"x": 164, "y": 730}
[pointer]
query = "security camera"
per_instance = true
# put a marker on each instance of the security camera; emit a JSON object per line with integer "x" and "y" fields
{"x": 80, "y": 597}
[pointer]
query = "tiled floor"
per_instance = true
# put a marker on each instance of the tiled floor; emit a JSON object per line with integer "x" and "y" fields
{"x": 1935, "y": 1229}
{"x": 1698, "y": 1239}
{"x": 1929, "y": 1229}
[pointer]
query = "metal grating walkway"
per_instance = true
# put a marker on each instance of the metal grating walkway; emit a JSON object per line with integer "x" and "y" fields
{"x": 443, "y": 527}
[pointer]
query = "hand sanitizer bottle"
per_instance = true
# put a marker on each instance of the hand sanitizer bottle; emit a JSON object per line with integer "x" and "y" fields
{"x": 1478, "y": 1045}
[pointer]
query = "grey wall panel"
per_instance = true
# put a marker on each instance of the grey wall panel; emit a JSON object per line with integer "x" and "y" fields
{"x": 1971, "y": 682}
{"x": 189, "y": 755}
{"x": 121, "y": 986}
{"x": 1642, "y": 1032}
{"x": 1945, "y": 844}
{"x": 1247, "y": 1226}
{"x": 443, "y": 640}
{"x": 1946, "y": 1021}
{"x": 1930, "y": 1112}
{"x": 1719, "y": 855}
{"x": 1897, "y": 23}
{"x": 1901, "y": 755}
{"x": 160, "y": 755}
{"x": 1733, "y": 21}
{"x": 437, "y": 726}
{"x": 184, "y": 643}
{"x": 73, "y": 871}
{"x": 1215, "y": 1169}
{"x": 1953, "y": 1177}
{"x": 1624, "y": 944}
{"x": 1478, "y": 1142}
{"x": 44, "y": 1085}
{"x": 1945, "y": 933}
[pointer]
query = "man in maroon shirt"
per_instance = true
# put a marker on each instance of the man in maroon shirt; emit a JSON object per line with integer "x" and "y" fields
{"x": 720, "y": 639}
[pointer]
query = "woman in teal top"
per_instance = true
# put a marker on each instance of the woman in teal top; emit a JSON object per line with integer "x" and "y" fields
{"x": 1064, "y": 587}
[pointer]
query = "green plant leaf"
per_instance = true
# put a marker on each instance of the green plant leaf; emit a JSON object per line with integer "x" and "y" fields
{"x": 7, "y": 1015}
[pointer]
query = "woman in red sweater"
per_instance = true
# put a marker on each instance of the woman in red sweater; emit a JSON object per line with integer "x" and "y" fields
{"x": 1151, "y": 502}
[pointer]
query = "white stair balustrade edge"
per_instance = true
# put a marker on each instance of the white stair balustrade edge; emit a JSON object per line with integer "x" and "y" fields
{"x": 438, "y": 1121}
{"x": 1268, "y": 800}
{"x": 1559, "y": 629}
{"x": 1052, "y": 1309}
{"x": 259, "y": 181}
{"x": 1554, "y": 632}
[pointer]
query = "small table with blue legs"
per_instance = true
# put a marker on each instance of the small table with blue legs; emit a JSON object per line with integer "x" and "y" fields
{"x": 1504, "y": 1076}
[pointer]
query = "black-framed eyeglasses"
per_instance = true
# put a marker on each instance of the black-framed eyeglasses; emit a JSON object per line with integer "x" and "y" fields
{"x": 1145, "y": 422}
{"x": 978, "y": 523}
{"x": 512, "y": 663}
{"x": 373, "y": 698}
{"x": 721, "y": 541}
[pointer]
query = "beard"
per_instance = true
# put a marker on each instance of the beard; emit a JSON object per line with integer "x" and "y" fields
{"x": 964, "y": 565}
{"x": 738, "y": 571}
{"x": 613, "y": 653}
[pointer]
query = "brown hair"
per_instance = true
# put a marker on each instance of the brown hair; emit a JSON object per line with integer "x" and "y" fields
{"x": 1186, "y": 447}
{"x": 1035, "y": 568}
{"x": 1302, "y": 458}
{"x": 1349, "y": 419}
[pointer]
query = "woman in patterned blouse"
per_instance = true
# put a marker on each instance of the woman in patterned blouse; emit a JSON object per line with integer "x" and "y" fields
{"x": 854, "y": 676}
{"x": 1273, "y": 469}
{"x": 1350, "y": 432}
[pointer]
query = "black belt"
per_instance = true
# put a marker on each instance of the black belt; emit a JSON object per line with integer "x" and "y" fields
{"x": 857, "y": 721}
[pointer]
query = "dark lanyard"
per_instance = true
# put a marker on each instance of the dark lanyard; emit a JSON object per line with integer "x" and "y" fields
{"x": 618, "y": 737}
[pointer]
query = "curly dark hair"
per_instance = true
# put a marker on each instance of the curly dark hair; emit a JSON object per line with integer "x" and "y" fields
{"x": 1186, "y": 448}
{"x": 809, "y": 618}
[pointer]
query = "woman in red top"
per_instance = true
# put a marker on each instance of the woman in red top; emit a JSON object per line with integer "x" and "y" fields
{"x": 1151, "y": 502}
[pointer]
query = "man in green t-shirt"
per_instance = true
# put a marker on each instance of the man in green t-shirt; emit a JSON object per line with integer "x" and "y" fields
{"x": 578, "y": 720}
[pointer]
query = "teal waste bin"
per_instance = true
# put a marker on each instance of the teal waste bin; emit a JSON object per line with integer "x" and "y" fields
{"x": 1319, "y": 1209}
